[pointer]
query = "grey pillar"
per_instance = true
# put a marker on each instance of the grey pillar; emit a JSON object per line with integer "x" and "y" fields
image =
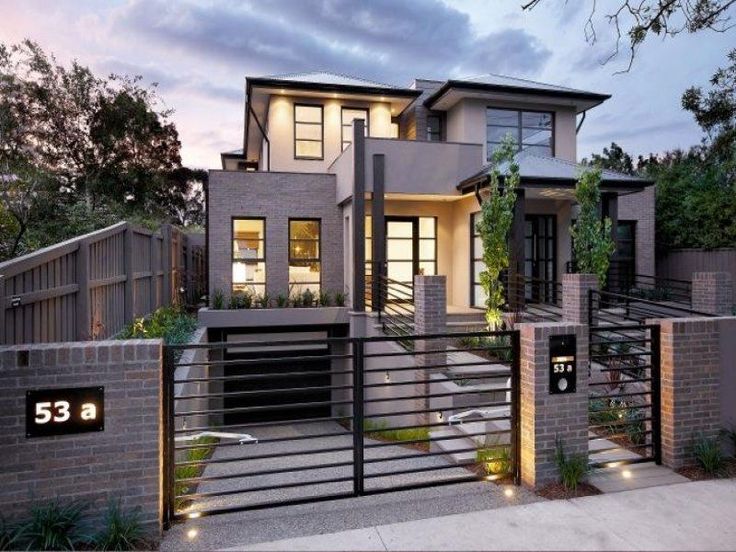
{"x": 516, "y": 255}
{"x": 378, "y": 229}
{"x": 358, "y": 215}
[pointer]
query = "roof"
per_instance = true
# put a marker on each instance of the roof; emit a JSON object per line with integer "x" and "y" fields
{"x": 324, "y": 77}
{"x": 540, "y": 169}
{"x": 494, "y": 83}
{"x": 233, "y": 153}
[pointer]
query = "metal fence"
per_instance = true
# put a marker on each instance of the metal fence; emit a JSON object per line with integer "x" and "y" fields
{"x": 256, "y": 424}
{"x": 89, "y": 287}
{"x": 607, "y": 308}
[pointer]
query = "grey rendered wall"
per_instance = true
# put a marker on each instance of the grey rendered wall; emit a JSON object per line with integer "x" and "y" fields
{"x": 277, "y": 197}
{"x": 122, "y": 462}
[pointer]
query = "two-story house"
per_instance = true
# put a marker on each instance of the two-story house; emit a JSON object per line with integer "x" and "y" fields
{"x": 340, "y": 179}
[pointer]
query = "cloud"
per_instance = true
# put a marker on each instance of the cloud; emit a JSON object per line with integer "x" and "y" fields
{"x": 382, "y": 40}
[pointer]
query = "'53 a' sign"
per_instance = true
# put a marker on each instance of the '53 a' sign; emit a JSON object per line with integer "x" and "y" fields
{"x": 64, "y": 411}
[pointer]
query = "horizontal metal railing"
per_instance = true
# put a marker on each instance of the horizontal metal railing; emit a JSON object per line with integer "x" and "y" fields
{"x": 616, "y": 308}
{"x": 259, "y": 424}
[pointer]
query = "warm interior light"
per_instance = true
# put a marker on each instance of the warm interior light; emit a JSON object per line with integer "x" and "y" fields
{"x": 281, "y": 91}
{"x": 626, "y": 474}
{"x": 508, "y": 492}
{"x": 383, "y": 99}
{"x": 192, "y": 534}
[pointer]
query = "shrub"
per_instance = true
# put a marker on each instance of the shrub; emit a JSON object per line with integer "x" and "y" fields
{"x": 495, "y": 460}
{"x": 282, "y": 301}
{"x": 9, "y": 535}
{"x": 122, "y": 530}
{"x": 54, "y": 525}
{"x": 218, "y": 300}
{"x": 297, "y": 300}
{"x": 573, "y": 467}
{"x": 339, "y": 299}
{"x": 241, "y": 300}
{"x": 189, "y": 471}
{"x": 707, "y": 452}
{"x": 172, "y": 324}
{"x": 324, "y": 299}
{"x": 499, "y": 346}
{"x": 263, "y": 301}
{"x": 307, "y": 298}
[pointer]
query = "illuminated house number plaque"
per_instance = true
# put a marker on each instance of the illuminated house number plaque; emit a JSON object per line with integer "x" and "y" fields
{"x": 64, "y": 411}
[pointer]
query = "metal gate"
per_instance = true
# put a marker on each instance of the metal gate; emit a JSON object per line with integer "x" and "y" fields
{"x": 624, "y": 395}
{"x": 400, "y": 413}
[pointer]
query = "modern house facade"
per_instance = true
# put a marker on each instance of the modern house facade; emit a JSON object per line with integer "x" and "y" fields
{"x": 340, "y": 179}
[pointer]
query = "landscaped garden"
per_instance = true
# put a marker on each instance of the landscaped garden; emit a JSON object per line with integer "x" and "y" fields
{"x": 302, "y": 299}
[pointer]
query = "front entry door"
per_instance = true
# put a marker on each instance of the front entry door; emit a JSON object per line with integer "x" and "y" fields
{"x": 411, "y": 248}
{"x": 540, "y": 267}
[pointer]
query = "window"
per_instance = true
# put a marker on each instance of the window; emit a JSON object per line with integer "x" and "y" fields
{"x": 477, "y": 294}
{"x": 621, "y": 273}
{"x": 308, "y": 132}
{"x": 434, "y": 128}
{"x": 305, "y": 266}
{"x": 349, "y": 114}
{"x": 531, "y": 130}
{"x": 249, "y": 255}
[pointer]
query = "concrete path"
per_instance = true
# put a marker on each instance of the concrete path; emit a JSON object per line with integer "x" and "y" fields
{"x": 688, "y": 516}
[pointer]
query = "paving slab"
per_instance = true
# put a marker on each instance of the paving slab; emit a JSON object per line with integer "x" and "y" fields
{"x": 634, "y": 476}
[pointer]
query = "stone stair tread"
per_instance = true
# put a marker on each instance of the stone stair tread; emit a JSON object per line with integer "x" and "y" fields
{"x": 450, "y": 446}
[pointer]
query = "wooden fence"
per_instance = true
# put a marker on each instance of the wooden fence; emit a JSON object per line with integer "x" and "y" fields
{"x": 91, "y": 286}
{"x": 681, "y": 263}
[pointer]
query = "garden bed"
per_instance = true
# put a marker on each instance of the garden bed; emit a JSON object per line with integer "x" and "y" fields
{"x": 697, "y": 473}
{"x": 557, "y": 491}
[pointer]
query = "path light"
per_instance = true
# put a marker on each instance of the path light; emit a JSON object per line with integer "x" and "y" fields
{"x": 508, "y": 492}
{"x": 626, "y": 474}
{"x": 388, "y": 377}
{"x": 440, "y": 417}
{"x": 192, "y": 534}
{"x": 194, "y": 515}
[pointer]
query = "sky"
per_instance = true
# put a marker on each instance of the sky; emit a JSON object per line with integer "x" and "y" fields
{"x": 200, "y": 51}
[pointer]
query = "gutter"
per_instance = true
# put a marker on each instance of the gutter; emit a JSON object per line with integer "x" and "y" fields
{"x": 582, "y": 120}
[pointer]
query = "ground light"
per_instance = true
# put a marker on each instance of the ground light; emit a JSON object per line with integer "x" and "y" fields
{"x": 194, "y": 515}
{"x": 192, "y": 534}
{"x": 508, "y": 492}
{"x": 626, "y": 474}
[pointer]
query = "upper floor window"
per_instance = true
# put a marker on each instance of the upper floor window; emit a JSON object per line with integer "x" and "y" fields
{"x": 308, "y": 132}
{"x": 434, "y": 128}
{"x": 349, "y": 114}
{"x": 249, "y": 255}
{"x": 531, "y": 130}
{"x": 305, "y": 266}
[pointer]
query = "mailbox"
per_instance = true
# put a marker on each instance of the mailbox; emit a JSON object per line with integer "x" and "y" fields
{"x": 562, "y": 365}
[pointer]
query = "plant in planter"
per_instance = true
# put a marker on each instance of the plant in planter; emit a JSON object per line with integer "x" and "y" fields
{"x": 497, "y": 213}
{"x": 573, "y": 467}
{"x": 339, "y": 299}
{"x": 241, "y": 300}
{"x": 591, "y": 238}
{"x": 263, "y": 301}
{"x": 324, "y": 299}
{"x": 218, "y": 300}
{"x": 307, "y": 298}
{"x": 282, "y": 300}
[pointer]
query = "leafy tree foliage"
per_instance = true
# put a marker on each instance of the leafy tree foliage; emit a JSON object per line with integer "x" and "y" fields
{"x": 591, "y": 237}
{"x": 613, "y": 158}
{"x": 78, "y": 151}
{"x": 497, "y": 214}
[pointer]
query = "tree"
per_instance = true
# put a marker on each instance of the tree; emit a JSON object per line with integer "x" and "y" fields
{"x": 497, "y": 214}
{"x": 592, "y": 241}
{"x": 22, "y": 187}
{"x": 634, "y": 22}
{"x": 613, "y": 158}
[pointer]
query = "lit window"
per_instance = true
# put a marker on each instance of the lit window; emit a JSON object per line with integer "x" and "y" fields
{"x": 305, "y": 266}
{"x": 249, "y": 255}
{"x": 531, "y": 130}
{"x": 477, "y": 295}
{"x": 349, "y": 114}
{"x": 308, "y": 132}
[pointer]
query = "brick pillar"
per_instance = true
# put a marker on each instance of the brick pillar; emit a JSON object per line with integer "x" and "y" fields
{"x": 690, "y": 375}
{"x": 712, "y": 293}
{"x": 430, "y": 317}
{"x": 575, "y": 297}
{"x": 544, "y": 416}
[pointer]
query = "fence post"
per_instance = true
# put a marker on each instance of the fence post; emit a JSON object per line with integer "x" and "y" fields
{"x": 129, "y": 294}
{"x": 656, "y": 371}
{"x": 712, "y": 293}
{"x": 2, "y": 310}
{"x": 84, "y": 315}
{"x": 516, "y": 405}
{"x": 166, "y": 265}
{"x": 576, "y": 306}
{"x": 358, "y": 468}
{"x": 153, "y": 268}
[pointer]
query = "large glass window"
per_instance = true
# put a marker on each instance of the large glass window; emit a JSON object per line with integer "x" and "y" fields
{"x": 434, "y": 128}
{"x": 349, "y": 114}
{"x": 249, "y": 255}
{"x": 308, "y": 132}
{"x": 531, "y": 130}
{"x": 477, "y": 295}
{"x": 305, "y": 266}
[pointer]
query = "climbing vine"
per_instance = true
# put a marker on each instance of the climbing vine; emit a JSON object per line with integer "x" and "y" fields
{"x": 497, "y": 214}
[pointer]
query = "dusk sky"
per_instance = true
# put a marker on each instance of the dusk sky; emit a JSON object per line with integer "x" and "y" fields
{"x": 200, "y": 52}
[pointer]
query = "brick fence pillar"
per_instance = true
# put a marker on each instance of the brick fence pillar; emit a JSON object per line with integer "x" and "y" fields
{"x": 712, "y": 293}
{"x": 690, "y": 376}
{"x": 546, "y": 417}
{"x": 575, "y": 297}
{"x": 430, "y": 317}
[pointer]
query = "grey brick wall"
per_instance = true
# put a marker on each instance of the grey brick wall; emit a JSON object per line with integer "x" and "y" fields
{"x": 712, "y": 292}
{"x": 414, "y": 119}
{"x": 544, "y": 417}
{"x": 123, "y": 461}
{"x": 575, "y": 296}
{"x": 277, "y": 197}
{"x": 640, "y": 207}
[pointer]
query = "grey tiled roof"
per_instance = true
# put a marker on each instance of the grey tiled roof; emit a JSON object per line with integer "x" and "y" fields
{"x": 325, "y": 77}
{"x": 504, "y": 80}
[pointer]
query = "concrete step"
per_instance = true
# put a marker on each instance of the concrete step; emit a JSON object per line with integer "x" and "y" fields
{"x": 466, "y": 317}
{"x": 452, "y": 446}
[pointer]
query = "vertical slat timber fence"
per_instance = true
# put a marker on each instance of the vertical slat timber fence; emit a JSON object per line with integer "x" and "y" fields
{"x": 91, "y": 286}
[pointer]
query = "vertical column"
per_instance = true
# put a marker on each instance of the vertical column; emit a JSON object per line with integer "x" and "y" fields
{"x": 430, "y": 317}
{"x": 690, "y": 386}
{"x": 516, "y": 257}
{"x": 358, "y": 216}
{"x": 576, "y": 297}
{"x": 712, "y": 293}
{"x": 378, "y": 229}
{"x": 166, "y": 264}
{"x": 546, "y": 417}
{"x": 129, "y": 293}
{"x": 2, "y": 310}
{"x": 84, "y": 316}
{"x": 609, "y": 206}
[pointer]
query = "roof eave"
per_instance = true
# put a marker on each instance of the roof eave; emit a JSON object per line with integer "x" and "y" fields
{"x": 325, "y": 87}
{"x": 475, "y": 86}
{"x": 469, "y": 184}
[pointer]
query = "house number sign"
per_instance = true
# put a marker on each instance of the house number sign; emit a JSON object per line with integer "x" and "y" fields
{"x": 64, "y": 411}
